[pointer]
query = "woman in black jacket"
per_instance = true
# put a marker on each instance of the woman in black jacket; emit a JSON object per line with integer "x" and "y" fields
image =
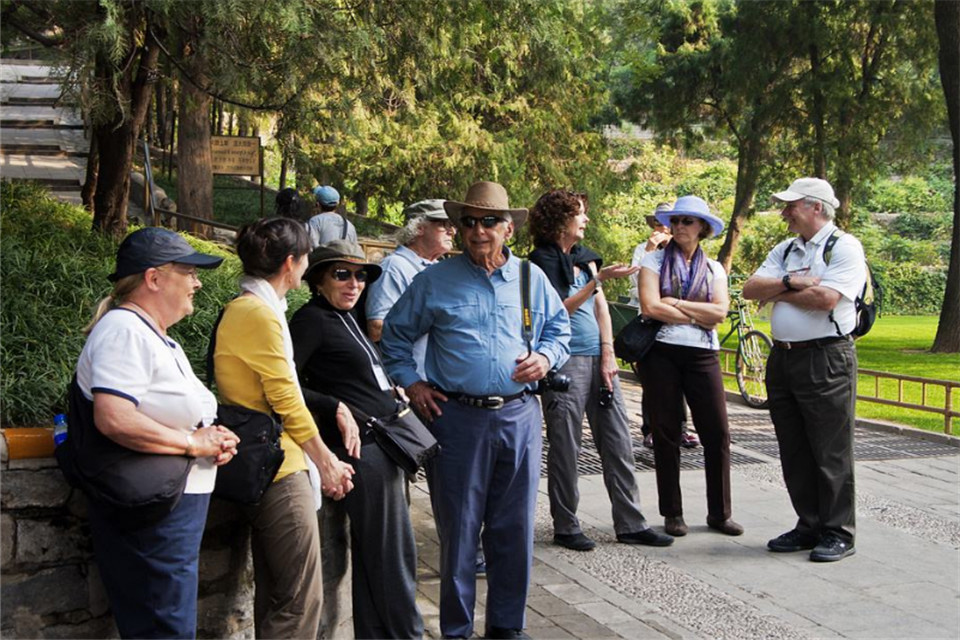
{"x": 340, "y": 373}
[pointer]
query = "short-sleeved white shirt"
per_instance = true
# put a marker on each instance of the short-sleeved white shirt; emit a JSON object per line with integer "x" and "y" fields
{"x": 687, "y": 335}
{"x": 126, "y": 357}
{"x": 846, "y": 274}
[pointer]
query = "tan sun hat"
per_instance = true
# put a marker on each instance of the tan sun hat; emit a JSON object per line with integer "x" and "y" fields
{"x": 487, "y": 196}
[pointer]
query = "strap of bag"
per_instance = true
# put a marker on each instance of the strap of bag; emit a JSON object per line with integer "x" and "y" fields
{"x": 212, "y": 346}
{"x": 527, "y": 316}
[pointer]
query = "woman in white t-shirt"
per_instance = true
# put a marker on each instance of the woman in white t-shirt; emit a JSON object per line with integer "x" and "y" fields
{"x": 146, "y": 397}
{"x": 687, "y": 291}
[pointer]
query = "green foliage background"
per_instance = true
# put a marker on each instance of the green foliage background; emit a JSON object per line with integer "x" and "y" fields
{"x": 54, "y": 273}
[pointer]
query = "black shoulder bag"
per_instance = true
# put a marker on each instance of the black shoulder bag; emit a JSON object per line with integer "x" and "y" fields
{"x": 131, "y": 488}
{"x": 636, "y": 339}
{"x": 259, "y": 454}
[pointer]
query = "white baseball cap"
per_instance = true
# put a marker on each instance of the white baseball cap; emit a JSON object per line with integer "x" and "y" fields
{"x": 808, "y": 188}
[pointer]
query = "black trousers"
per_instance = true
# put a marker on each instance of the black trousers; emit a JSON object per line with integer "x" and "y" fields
{"x": 812, "y": 396}
{"x": 672, "y": 373}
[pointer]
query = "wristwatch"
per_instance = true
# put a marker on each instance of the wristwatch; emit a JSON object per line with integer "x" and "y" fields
{"x": 598, "y": 285}
{"x": 786, "y": 283}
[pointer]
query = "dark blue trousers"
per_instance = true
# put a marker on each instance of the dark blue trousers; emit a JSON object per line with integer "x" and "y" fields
{"x": 150, "y": 574}
{"x": 486, "y": 476}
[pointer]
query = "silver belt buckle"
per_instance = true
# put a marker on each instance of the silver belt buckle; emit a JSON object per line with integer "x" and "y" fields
{"x": 493, "y": 402}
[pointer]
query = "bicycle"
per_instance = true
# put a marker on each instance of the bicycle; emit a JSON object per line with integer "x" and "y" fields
{"x": 753, "y": 349}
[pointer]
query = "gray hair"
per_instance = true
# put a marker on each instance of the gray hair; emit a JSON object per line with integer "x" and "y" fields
{"x": 825, "y": 207}
{"x": 409, "y": 232}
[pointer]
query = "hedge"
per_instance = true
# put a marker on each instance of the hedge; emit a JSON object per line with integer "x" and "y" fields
{"x": 54, "y": 272}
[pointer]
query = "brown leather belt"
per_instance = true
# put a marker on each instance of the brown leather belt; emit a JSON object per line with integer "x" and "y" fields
{"x": 809, "y": 344}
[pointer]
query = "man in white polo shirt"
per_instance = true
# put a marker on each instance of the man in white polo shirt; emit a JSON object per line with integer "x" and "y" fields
{"x": 812, "y": 281}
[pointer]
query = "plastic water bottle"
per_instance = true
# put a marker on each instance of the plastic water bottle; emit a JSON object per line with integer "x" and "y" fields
{"x": 59, "y": 429}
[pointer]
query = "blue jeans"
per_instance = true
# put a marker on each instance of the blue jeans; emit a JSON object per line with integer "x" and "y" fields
{"x": 150, "y": 574}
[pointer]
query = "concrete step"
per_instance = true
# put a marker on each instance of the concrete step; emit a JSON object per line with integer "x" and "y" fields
{"x": 27, "y": 100}
{"x": 41, "y": 124}
{"x": 40, "y": 150}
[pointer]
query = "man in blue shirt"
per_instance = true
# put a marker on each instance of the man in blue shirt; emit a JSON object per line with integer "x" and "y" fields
{"x": 477, "y": 392}
{"x": 426, "y": 236}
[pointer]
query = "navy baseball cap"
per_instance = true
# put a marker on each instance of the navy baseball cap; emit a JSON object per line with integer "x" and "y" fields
{"x": 152, "y": 247}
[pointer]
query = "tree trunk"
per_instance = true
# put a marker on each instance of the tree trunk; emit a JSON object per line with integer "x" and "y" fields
{"x": 819, "y": 136}
{"x": 194, "y": 162}
{"x": 90, "y": 181}
{"x": 283, "y": 171}
{"x": 160, "y": 104}
{"x": 947, "y": 15}
{"x": 116, "y": 141}
{"x": 749, "y": 158}
{"x": 363, "y": 203}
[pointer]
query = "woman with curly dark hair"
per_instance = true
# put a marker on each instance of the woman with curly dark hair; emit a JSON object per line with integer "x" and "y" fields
{"x": 558, "y": 222}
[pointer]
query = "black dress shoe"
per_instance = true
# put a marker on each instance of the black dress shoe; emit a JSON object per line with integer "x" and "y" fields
{"x": 573, "y": 541}
{"x": 792, "y": 540}
{"x": 647, "y": 536}
{"x": 501, "y": 632}
{"x": 832, "y": 548}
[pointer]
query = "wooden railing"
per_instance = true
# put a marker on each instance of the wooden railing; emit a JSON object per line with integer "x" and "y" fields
{"x": 926, "y": 404}
{"x": 947, "y": 410}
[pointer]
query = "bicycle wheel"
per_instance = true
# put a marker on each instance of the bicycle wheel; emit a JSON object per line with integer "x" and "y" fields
{"x": 752, "y": 354}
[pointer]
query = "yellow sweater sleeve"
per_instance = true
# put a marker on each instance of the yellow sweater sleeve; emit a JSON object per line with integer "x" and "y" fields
{"x": 251, "y": 370}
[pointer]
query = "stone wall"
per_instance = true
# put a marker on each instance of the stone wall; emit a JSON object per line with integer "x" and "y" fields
{"x": 51, "y": 588}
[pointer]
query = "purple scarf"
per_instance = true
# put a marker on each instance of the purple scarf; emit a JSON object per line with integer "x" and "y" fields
{"x": 678, "y": 281}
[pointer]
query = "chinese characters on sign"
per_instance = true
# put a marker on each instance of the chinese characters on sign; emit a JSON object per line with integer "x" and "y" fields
{"x": 235, "y": 156}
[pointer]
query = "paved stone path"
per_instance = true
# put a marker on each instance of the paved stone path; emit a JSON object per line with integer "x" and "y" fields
{"x": 904, "y": 581}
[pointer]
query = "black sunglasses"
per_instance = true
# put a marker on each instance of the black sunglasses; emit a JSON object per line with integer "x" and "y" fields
{"x": 342, "y": 275}
{"x": 684, "y": 221}
{"x": 488, "y": 222}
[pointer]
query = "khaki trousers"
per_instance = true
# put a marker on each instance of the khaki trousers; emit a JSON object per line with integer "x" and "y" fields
{"x": 286, "y": 560}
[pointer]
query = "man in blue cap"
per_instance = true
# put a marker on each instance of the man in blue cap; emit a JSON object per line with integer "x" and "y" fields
{"x": 328, "y": 224}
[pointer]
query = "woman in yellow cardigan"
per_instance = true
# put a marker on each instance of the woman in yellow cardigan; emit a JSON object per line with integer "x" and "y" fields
{"x": 253, "y": 365}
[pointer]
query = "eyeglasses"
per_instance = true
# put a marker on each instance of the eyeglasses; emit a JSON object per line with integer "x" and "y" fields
{"x": 684, "y": 221}
{"x": 446, "y": 224}
{"x": 342, "y": 275}
{"x": 488, "y": 222}
{"x": 190, "y": 272}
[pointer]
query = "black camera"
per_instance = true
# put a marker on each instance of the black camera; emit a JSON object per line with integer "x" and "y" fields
{"x": 554, "y": 381}
{"x": 606, "y": 396}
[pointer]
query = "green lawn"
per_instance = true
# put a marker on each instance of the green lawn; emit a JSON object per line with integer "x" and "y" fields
{"x": 898, "y": 344}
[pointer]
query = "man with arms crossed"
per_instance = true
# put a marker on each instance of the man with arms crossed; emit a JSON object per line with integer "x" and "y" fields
{"x": 812, "y": 371}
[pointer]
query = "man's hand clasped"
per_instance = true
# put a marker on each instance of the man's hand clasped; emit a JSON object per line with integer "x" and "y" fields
{"x": 531, "y": 367}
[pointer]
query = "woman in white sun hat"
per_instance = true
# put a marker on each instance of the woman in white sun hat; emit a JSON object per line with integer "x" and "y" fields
{"x": 687, "y": 291}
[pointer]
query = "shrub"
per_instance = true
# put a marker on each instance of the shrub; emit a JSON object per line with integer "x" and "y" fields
{"x": 910, "y": 289}
{"x": 910, "y": 194}
{"x": 54, "y": 272}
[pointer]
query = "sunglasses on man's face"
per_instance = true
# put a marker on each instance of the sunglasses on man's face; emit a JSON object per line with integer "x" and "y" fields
{"x": 342, "y": 275}
{"x": 684, "y": 221}
{"x": 488, "y": 222}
